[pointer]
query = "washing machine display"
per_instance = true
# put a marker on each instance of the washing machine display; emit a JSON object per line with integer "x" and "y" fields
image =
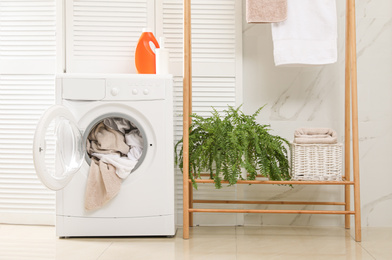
{"x": 66, "y": 143}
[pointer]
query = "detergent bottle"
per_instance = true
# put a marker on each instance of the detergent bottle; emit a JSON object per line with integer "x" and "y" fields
{"x": 162, "y": 58}
{"x": 145, "y": 53}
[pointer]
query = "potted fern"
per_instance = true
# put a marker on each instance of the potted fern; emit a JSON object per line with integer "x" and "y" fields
{"x": 224, "y": 145}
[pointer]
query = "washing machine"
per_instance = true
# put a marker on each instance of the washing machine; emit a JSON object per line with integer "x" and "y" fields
{"x": 145, "y": 204}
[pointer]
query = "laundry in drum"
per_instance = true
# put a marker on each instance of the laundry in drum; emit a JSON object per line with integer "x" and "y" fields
{"x": 115, "y": 146}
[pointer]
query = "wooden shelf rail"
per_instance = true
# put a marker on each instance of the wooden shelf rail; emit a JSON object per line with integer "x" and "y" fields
{"x": 351, "y": 131}
{"x": 271, "y": 211}
{"x": 282, "y": 182}
{"x": 269, "y": 202}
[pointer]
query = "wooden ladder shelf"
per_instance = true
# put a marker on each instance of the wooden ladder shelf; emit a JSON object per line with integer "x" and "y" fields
{"x": 351, "y": 120}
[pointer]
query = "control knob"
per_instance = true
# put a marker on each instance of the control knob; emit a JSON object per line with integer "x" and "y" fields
{"x": 114, "y": 91}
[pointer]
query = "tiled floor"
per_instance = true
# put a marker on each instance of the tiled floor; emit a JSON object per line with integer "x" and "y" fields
{"x": 40, "y": 242}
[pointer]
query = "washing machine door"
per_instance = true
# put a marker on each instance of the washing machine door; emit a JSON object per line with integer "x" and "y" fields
{"x": 58, "y": 151}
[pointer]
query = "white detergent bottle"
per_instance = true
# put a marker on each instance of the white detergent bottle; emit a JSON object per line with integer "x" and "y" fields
{"x": 162, "y": 58}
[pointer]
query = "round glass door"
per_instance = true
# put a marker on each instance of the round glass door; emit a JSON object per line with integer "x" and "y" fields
{"x": 58, "y": 150}
{"x": 116, "y": 139}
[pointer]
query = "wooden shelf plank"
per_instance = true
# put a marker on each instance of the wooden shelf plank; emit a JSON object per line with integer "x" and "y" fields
{"x": 282, "y": 182}
{"x": 270, "y": 211}
{"x": 269, "y": 202}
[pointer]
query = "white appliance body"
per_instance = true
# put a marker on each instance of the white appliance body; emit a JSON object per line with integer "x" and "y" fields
{"x": 145, "y": 204}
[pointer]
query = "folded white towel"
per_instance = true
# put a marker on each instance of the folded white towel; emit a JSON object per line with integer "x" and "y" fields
{"x": 315, "y": 136}
{"x": 123, "y": 165}
{"x": 266, "y": 11}
{"x": 308, "y": 36}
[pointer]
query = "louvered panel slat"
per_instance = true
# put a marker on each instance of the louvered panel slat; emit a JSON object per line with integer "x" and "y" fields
{"x": 8, "y": 176}
{"x": 15, "y": 206}
{"x": 37, "y": 107}
{"x": 27, "y": 36}
{"x": 102, "y": 35}
{"x": 12, "y": 119}
{"x": 38, "y": 200}
{"x": 23, "y": 98}
{"x": 24, "y": 192}
{"x": 26, "y": 187}
{"x": 172, "y": 28}
{"x": 38, "y": 197}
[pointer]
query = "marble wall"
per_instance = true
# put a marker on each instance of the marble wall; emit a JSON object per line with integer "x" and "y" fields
{"x": 314, "y": 96}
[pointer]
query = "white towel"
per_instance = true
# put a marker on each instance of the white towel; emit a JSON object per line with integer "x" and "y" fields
{"x": 315, "y": 136}
{"x": 308, "y": 36}
{"x": 135, "y": 153}
{"x": 135, "y": 140}
{"x": 123, "y": 165}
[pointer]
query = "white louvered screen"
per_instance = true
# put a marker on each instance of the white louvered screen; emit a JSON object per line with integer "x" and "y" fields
{"x": 27, "y": 36}
{"x": 102, "y": 35}
{"x": 22, "y": 196}
{"x": 216, "y": 71}
{"x": 206, "y": 93}
{"x": 215, "y": 35}
{"x": 27, "y": 67}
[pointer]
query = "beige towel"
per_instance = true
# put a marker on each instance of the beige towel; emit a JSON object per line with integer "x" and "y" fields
{"x": 315, "y": 136}
{"x": 266, "y": 11}
{"x": 103, "y": 184}
{"x": 103, "y": 139}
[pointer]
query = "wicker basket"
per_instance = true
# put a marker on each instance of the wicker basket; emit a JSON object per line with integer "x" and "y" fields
{"x": 316, "y": 162}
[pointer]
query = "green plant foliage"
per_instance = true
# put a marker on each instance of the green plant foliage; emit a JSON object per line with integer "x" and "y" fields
{"x": 223, "y": 145}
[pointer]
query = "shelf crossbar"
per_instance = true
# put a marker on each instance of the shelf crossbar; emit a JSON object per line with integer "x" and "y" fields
{"x": 273, "y": 211}
{"x": 269, "y": 202}
{"x": 281, "y": 182}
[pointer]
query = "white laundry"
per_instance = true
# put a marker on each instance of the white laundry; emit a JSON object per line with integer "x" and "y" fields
{"x": 308, "y": 36}
{"x": 120, "y": 124}
{"x": 135, "y": 140}
{"x": 123, "y": 165}
{"x": 135, "y": 153}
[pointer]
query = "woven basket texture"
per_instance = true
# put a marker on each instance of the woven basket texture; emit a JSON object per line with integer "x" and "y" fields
{"x": 317, "y": 162}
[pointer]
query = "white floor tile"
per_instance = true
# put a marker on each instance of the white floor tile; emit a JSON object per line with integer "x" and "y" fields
{"x": 228, "y": 243}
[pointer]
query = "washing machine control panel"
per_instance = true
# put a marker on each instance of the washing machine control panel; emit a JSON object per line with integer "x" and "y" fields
{"x": 135, "y": 89}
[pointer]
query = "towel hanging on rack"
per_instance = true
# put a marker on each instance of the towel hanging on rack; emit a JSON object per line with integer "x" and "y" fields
{"x": 308, "y": 36}
{"x": 266, "y": 11}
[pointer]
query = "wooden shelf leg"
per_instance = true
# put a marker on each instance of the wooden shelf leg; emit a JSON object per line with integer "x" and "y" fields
{"x": 190, "y": 204}
{"x": 190, "y": 122}
{"x": 185, "y": 234}
{"x": 354, "y": 95}
{"x": 347, "y": 112}
{"x": 347, "y": 223}
{"x": 187, "y": 87}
